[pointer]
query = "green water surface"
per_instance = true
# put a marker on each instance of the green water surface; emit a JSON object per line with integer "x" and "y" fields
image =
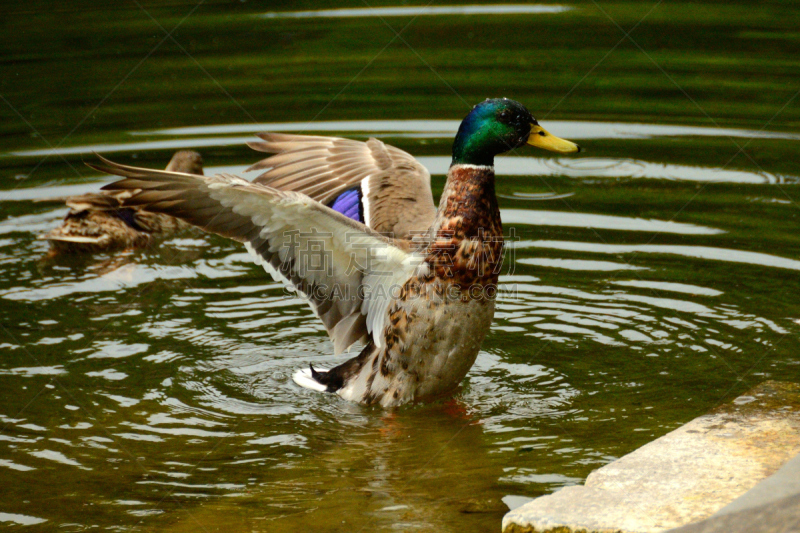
{"x": 649, "y": 279}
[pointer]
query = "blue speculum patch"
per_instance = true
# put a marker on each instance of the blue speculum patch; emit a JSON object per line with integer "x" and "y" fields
{"x": 349, "y": 204}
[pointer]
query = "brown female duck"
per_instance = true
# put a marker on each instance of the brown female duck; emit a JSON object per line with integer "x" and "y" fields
{"x": 98, "y": 222}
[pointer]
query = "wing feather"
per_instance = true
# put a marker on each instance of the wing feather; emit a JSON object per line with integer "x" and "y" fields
{"x": 395, "y": 185}
{"x": 280, "y": 229}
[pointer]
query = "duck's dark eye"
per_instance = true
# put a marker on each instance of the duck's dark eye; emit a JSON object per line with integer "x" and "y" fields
{"x": 505, "y": 114}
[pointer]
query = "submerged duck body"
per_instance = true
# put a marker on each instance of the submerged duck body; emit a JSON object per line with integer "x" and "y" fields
{"x": 98, "y": 222}
{"x": 415, "y": 284}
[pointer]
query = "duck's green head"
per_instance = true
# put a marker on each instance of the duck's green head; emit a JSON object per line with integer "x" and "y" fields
{"x": 498, "y": 125}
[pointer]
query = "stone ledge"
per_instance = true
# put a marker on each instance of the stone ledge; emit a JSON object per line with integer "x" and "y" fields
{"x": 778, "y": 516}
{"x": 683, "y": 477}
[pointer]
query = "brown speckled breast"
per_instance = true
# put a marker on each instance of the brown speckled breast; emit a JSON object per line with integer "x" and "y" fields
{"x": 467, "y": 247}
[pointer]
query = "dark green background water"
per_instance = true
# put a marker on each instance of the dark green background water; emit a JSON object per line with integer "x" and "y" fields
{"x": 151, "y": 390}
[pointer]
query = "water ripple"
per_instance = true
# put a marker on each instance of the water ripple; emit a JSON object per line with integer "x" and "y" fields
{"x": 571, "y": 129}
{"x": 696, "y": 252}
{"x": 414, "y": 11}
{"x": 589, "y": 220}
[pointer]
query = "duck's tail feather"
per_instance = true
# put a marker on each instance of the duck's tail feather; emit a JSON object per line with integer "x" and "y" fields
{"x": 309, "y": 378}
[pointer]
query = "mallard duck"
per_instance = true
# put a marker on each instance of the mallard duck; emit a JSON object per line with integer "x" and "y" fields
{"x": 98, "y": 222}
{"x": 351, "y": 226}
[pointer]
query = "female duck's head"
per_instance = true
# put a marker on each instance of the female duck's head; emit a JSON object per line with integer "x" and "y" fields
{"x": 498, "y": 125}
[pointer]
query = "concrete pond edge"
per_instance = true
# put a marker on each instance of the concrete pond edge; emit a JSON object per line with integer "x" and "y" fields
{"x": 717, "y": 463}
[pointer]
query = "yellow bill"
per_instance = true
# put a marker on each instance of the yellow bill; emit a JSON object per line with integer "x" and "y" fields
{"x": 541, "y": 138}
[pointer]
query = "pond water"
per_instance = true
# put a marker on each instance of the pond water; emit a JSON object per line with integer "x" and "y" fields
{"x": 647, "y": 280}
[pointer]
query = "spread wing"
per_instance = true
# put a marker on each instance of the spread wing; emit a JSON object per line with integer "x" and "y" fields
{"x": 394, "y": 189}
{"x": 345, "y": 271}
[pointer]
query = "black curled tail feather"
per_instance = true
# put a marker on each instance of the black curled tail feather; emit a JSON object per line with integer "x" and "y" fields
{"x": 332, "y": 381}
{"x": 335, "y": 378}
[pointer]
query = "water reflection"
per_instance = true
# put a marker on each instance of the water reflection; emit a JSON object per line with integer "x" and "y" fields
{"x": 625, "y": 168}
{"x": 579, "y": 264}
{"x": 397, "y": 469}
{"x": 617, "y": 318}
{"x": 572, "y": 129}
{"x": 198, "y": 137}
{"x": 587, "y": 220}
{"x": 669, "y": 287}
{"x": 696, "y": 252}
{"x": 413, "y": 11}
{"x": 535, "y": 196}
{"x": 177, "y": 144}
{"x": 120, "y": 272}
{"x": 21, "y": 519}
